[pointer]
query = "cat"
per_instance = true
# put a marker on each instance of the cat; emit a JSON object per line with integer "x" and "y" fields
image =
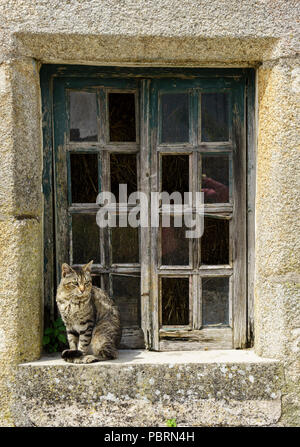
{"x": 91, "y": 318}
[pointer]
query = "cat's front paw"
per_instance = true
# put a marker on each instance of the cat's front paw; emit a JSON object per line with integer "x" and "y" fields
{"x": 71, "y": 354}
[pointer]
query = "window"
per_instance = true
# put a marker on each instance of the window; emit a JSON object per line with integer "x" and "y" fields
{"x": 155, "y": 132}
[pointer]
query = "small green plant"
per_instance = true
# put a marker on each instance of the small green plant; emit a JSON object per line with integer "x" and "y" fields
{"x": 55, "y": 339}
{"x": 171, "y": 422}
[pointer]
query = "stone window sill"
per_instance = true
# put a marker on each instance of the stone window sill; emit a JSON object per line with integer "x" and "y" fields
{"x": 139, "y": 356}
{"x": 228, "y": 387}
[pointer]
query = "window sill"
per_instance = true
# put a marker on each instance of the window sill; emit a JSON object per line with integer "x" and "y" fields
{"x": 229, "y": 387}
{"x": 141, "y": 356}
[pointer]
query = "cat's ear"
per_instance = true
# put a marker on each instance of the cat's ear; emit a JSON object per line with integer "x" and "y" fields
{"x": 66, "y": 269}
{"x": 87, "y": 267}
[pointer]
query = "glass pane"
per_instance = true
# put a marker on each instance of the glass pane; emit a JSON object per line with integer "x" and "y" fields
{"x": 215, "y": 178}
{"x": 215, "y": 242}
{"x": 175, "y": 173}
{"x": 84, "y": 178}
{"x": 125, "y": 245}
{"x": 96, "y": 280}
{"x": 101, "y": 281}
{"x": 85, "y": 239}
{"x": 175, "y": 118}
{"x": 83, "y": 116}
{"x": 122, "y": 117}
{"x": 126, "y": 294}
{"x": 123, "y": 169}
{"x": 214, "y": 117}
{"x": 215, "y": 303}
{"x": 175, "y": 301}
{"x": 174, "y": 245}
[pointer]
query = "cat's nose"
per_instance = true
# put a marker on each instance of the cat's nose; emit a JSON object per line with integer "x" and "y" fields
{"x": 81, "y": 288}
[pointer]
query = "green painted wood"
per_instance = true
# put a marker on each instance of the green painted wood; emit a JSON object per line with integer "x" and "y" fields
{"x": 48, "y": 221}
{"x": 251, "y": 183}
{"x": 144, "y": 72}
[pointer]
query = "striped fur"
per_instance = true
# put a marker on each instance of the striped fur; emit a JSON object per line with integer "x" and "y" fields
{"x": 91, "y": 318}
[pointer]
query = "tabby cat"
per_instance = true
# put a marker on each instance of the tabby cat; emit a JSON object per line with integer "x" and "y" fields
{"x": 91, "y": 318}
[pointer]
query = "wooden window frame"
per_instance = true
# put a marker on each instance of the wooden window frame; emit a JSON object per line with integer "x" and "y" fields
{"x": 51, "y": 74}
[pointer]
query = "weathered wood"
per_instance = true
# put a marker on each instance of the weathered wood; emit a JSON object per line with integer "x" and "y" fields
{"x": 83, "y": 146}
{"x": 48, "y": 220}
{"x": 105, "y": 79}
{"x": 103, "y": 147}
{"x": 220, "y": 215}
{"x": 128, "y": 148}
{"x": 204, "y": 339}
{"x": 205, "y": 270}
{"x": 102, "y": 117}
{"x": 216, "y": 210}
{"x": 215, "y": 270}
{"x": 188, "y": 148}
{"x": 239, "y": 221}
{"x": 132, "y": 338}
{"x": 96, "y": 72}
{"x": 83, "y": 208}
{"x": 130, "y": 309}
{"x": 207, "y": 147}
{"x": 176, "y": 269}
{"x": 173, "y": 149}
{"x": 145, "y": 235}
{"x": 251, "y": 183}
{"x": 154, "y": 187}
{"x": 121, "y": 269}
{"x": 87, "y": 147}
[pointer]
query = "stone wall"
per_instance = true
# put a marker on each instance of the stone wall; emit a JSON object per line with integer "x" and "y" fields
{"x": 21, "y": 249}
{"x": 218, "y": 33}
{"x": 277, "y": 291}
